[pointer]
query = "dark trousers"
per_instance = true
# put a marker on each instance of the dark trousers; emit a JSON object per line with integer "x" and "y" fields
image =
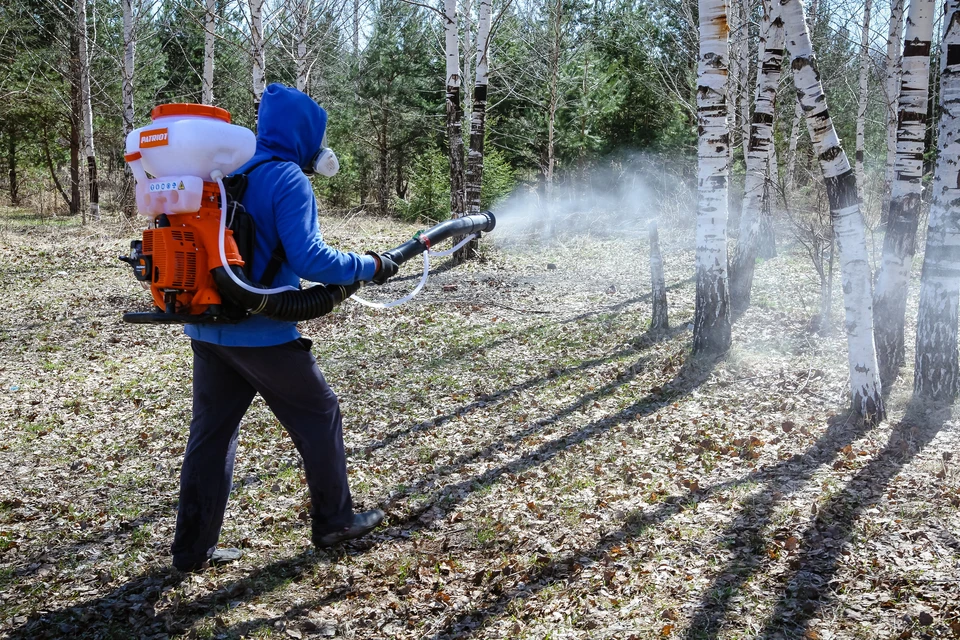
{"x": 225, "y": 380}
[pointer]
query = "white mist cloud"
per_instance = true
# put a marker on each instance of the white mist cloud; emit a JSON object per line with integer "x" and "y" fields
{"x": 616, "y": 200}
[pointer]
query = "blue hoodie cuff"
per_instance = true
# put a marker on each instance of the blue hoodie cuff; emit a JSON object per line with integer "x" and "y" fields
{"x": 368, "y": 268}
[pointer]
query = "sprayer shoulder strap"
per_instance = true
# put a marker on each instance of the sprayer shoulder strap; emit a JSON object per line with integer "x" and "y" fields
{"x": 278, "y": 256}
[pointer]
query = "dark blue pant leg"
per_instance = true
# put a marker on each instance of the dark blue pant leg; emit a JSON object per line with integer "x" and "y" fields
{"x": 288, "y": 378}
{"x": 220, "y": 398}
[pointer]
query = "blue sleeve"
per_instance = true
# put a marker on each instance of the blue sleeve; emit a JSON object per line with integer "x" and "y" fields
{"x": 295, "y": 210}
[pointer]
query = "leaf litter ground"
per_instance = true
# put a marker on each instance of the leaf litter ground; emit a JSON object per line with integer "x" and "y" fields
{"x": 548, "y": 467}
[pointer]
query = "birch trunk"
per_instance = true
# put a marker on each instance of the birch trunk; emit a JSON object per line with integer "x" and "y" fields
{"x": 848, "y": 227}
{"x": 87, "y": 108}
{"x": 767, "y": 243}
{"x": 899, "y": 244}
{"x": 258, "y": 52}
{"x": 300, "y": 34}
{"x": 356, "y": 27}
{"x": 743, "y": 81}
{"x": 556, "y": 17}
{"x": 711, "y": 325}
{"x": 454, "y": 109}
{"x": 11, "y": 136}
{"x": 659, "y": 318}
{"x": 862, "y": 96}
{"x": 790, "y": 178}
{"x": 209, "y": 43}
{"x": 474, "y": 176}
{"x": 760, "y": 149}
{"x": 76, "y": 122}
{"x": 129, "y": 49}
{"x": 936, "y": 372}
{"x": 892, "y": 88}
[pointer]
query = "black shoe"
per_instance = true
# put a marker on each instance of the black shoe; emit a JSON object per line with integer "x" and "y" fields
{"x": 363, "y": 523}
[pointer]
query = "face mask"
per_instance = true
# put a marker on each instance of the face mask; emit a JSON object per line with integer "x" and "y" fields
{"x": 325, "y": 163}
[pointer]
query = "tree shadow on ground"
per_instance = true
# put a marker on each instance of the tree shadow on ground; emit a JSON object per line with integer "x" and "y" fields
{"x": 646, "y": 340}
{"x": 789, "y": 473}
{"x": 693, "y": 373}
{"x": 807, "y": 590}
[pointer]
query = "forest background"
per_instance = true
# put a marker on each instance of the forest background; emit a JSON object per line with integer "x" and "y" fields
{"x": 578, "y": 93}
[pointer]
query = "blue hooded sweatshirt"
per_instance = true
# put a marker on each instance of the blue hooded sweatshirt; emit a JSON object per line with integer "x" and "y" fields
{"x": 290, "y": 126}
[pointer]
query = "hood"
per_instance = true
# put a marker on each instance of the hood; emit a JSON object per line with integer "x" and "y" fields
{"x": 290, "y": 125}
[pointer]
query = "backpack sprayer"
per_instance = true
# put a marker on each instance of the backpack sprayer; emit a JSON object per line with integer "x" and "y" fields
{"x": 190, "y": 255}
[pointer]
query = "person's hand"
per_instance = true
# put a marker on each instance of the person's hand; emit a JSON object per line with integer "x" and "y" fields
{"x": 386, "y": 268}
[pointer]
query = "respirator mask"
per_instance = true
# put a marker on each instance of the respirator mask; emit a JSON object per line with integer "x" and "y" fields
{"x": 325, "y": 162}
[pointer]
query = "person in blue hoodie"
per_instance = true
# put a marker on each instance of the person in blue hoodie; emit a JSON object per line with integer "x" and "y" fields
{"x": 232, "y": 363}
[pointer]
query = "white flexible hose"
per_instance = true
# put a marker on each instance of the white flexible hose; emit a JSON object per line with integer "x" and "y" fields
{"x": 420, "y": 285}
{"x": 223, "y": 251}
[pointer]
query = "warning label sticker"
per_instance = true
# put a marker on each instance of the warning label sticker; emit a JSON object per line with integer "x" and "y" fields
{"x": 153, "y": 138}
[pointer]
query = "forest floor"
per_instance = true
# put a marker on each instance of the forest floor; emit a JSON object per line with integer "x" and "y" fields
{"x": 549, "y": 468}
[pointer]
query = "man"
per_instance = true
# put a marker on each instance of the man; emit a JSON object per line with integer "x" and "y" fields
{"x": 232, "y": 363}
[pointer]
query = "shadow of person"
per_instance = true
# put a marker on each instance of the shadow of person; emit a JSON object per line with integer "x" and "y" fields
{"x": 146, "y": 605}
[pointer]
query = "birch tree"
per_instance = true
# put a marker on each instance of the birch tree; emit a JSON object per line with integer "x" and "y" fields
{"x": 453, "y": 107}
{"x": 711, "y": 325}
{"x": 760, "y": 149}
{"x": 126, "y": 98}
{"x": 474, "y": 173}
{"x": 129, "y": 49}
{"x": 257, "y": 51}
{"x": 936, "y": 374}
{"x": 209, "y": 42}
{"x": 899, "y": 244}
{"x": 301, "y": 32}
{"x": 848, "y": 227}
{"x": 862, "y": 95}
{"x": 892, "y": 91}
{"x": 87, "y": 111}
{"x": 797, "y": 119}
{"x": 556, "y": 32}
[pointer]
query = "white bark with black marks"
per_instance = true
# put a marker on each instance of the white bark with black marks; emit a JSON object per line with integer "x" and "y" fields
{"x": 862, "y": 96}
{"x": 848, "y": 227}
{"x": 790, "y": 177}
{"x": 555, "y": 21}
{"x": 759, "y": 153}
{"x": 453, "y": 108}
{"x": 892, "y": 90}
{"x": 257, "y": 51}
{"x": 87, "y": 111}
{"x": 129, "y": 49}
{"x": 711, "y": 324}
{"x": 899, "y": 245}
{"x": 301, "y": 32}
{"x": 209, "y": 45}
{"x": 936, "y": 373}
{"x": 474, "y": 173}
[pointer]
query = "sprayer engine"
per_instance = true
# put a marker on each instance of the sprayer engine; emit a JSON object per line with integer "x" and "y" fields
{"x": 189, "y": 256}
{"x": 173, "y": 258}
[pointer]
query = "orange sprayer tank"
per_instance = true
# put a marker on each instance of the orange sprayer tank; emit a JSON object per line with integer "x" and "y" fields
{"x": 176, "y": 160}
